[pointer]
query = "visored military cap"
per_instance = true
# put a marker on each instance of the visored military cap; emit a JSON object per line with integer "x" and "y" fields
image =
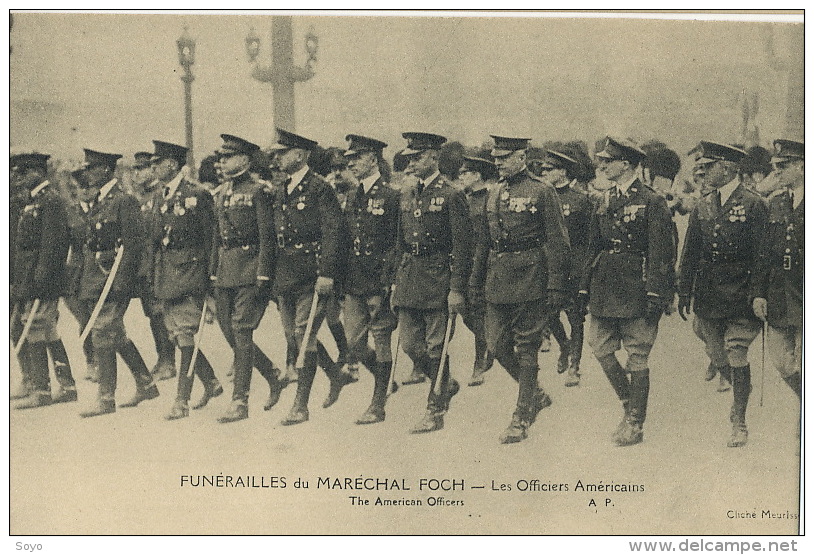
{"x": 419, "y": 142}
{"x": 555, "y": 159}
{"x": 480, "y": 165}
{"x": 287, "y": 140}
{"x": 25, "y": 160}
{"x": 142, "y": 160}
{"x": 360, "y": 143}
{"x": 173, "y": 151}
{"x": 708, "y": 151}
{"x": 507, "y": 145}
{"x": 96, "y": 158}
{"x": 233, "y": 144}
{"x": 786, "y": 149}
{"x": 621, "y": 149}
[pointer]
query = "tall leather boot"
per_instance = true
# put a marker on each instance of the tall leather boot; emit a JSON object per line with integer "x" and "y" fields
{"x": 338, "y": 333}
{"x": 212, "y": 387}
{"x": 483, "y": 360}
{"x": 795, "y": 382}
{"x": 633, "y": 433}
{"x": 558, "y": 331}
{"x": 164, "y": 368}
{"x": 105, "y": 358}
{"x": 180, "y": 408}
{"x": 522, "y": 418}
{"x": 62, "y": 370}
{"x": 299, "y": 411}
{"x": 92, "y": 370}
{"x": 437, "y": 405}
{"x": 575, "y": 351}
{"x": 337, "y": 377}
{"x": 725, "y": 373}
{"x": 40, "y": 378}
{"x": 375, "y": 412}
{"x": 145, "y": 387}
{"x": 239, "y": 409}
{"x": 25, "y": 388}
{"x": 290, "y": 375}
{"x": 419, "y": 371}
{"x": 741, "y": 389}
{"x": 271, "y": 374}
{"x": 621, "y": 385}
{"x": 509, "y": 361}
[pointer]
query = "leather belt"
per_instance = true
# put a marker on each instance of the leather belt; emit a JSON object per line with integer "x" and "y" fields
{"x": 501, "y": 245}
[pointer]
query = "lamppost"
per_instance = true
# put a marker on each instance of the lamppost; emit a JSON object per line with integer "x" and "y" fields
{"x": 282, "y": 73}
{"x": 186, "y": 57}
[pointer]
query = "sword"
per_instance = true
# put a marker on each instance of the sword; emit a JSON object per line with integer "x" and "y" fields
{"x": 35, "y": 306}
{"x": 198, "y": 336}
{"x": 762, "y": 358}
{"x": 308, "y": 328}
{"x": 103, "y": 297}
{"x": 392, "y": 386}
{"x": 436, "y": 386}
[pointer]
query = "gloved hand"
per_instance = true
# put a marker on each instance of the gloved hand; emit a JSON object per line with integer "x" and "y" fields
{"x": 324, "y": 286}
{"x": 760, "y": 307}
{"x": 684, "y": 306}
{"x": 456, "y": 302}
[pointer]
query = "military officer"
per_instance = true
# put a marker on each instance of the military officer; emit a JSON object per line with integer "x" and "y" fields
{"x": 778, "y": 291}
{"x": 522, "y": 264}
{"x": 241, "y": 269}
{"x": 40, "y": 249}
{"x": 371, "y": 209}
{"x": 180, "y": 242}
{"x": 558, "y": 168}
{"x": 475, "y": 176}
{"x": 436, "y": 257}
{"x": 145, "y": 184}
{"x": 628, "y": 279}
{"x": 715, "y": 274}
{"x": 112, "y": 223}
{"x": 310, "y": 245}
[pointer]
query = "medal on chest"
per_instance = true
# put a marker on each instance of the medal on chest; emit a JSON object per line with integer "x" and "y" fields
{"x": 737, "y": 213}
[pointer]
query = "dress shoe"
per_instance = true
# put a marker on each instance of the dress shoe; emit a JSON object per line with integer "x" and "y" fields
{"x": 542, "y": 400}
{"x": 238, "y": 410}
{"x": 414, "y": 378}
{"x": 211, "y": 390}
{"x": 430, "y": 423}
{"x": 275, "y": 389}
{"x": 180, "y": 409}
{"x": 562, "y": 361}
{"x": 739, "y": 436}
{"x": 372, "y": 415}
{"x": 165, "y": 371}
{"x": 64, "y": 395}
{"x": 296, "y": 416}
{"x": 103, "y": 406}
{"x": 516, "y": 432}
{"x": 142, "y": 394}
{"x": 630, "y": 434}
{"x": 476, "y": 379}
{"x": 35, "y": 400}
{"x": 723, "y": 384}
{"x": 290, "y": 375}
{"x": 338, "y": 381}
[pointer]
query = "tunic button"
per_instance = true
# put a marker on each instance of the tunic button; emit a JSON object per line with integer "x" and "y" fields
{"x": 714, "y": 244}
{"x": 788, "y": 251}
{"x": 630, "y": 236}
{"x": 788, "y": 237}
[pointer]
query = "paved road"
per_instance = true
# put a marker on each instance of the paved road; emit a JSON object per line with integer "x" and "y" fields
{"x": 122, "y": 473}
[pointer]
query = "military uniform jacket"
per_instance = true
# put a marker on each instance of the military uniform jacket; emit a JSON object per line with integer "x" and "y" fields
{"x": 41, "y": 247}
{"x": 780, "y": 263}
{"x": 372, "y": 220}
{"x": 243, "y": 248}
{"x": 631, "y": 252}
{"x": 434, "y": 247}
{"x": 576, "y": 211}
{"x": 524, "y": 247}
{"x": 310, "y": 236}
{"x": 149, "y": 213}
{"x": 181, "y": 240}
{"x": 111, "y": 222}
{"x": 77, "y": 235}
{"x": 719, "y": 254}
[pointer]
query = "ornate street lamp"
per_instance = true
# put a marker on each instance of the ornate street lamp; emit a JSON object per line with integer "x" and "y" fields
{"x": 186, "y": 57}
{"x": 282, "y": 73}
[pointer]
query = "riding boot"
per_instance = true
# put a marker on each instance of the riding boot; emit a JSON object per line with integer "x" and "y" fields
{"x": 92, "y": 371}
{"x": 105, "y": 358}
{"x": 333, "y": 370}
{"x": 164, "y": 368}
{"x": 526, "y": 411}
{"x": 299, "y": 411}
{"x": 575, "y": 352}
{"x": 62, "y": 370}
{"x": 437, "y": 404}
{"x": 375, "y": 412}
{"x": 271, "y": 374}
{"x": 633, "y": 433}
{"x": 180, "y": 408}
{"x": 741, "y": 389}
{"x": 419, "y": 372}
{"x": 145, "y": 387}
{"x": 483, "y": 360}
{"x": 40, "y": 378}
{"x": 621, "y": 385}
{"x": 290, "y": 367}
{"x": 25, "y": 388}
{"x": 211, "y": 385}
{"x": 239, "y": 408}
{"x": 338, "y": 333}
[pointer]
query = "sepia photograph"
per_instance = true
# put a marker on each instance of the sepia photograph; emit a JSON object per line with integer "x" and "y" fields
{"x": 414, "y": 273}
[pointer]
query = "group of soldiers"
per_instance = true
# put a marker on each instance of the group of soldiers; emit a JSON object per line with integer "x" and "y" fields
{"x": 508, "y": 246}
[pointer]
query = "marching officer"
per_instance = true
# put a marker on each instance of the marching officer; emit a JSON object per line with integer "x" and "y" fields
{"x": 310, "y": 245}
{"x": 522, "y": 265}
{"x": 559, "y": 169}
{"x": 241, "y": 270}
{"x": 371, "y": 209}
{"x": 475, "y": 176}
{"x": 180, "y": 241}
{"x": 145, "y": 184}
{"x": 628, "y": 279}
{"x": 720, "y": 250}
{"x": 40, "y": 248}
{"x": 436, "y": 257}
{"x": 778, "y": 292}
{"x": 112, "y": 223}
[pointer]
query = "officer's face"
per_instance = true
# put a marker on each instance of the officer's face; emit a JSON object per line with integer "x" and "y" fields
{"x": 511, "y": 164}
{"x": 97, "y": 176}
{"x": 467, "y": 178}
{"x": 611, "y": 169}
{"x": 165, "y": 169}
{"x": 289, "y": 160}
{"x": 233, "y": 163}
{"x": 423, "y": 164}
{"x": 711, "y": 175}
{"x": 789, "y": 173}
{"x": 362, "y": 165}
{"x": 553, "y": 176}
{"x": 143, "y": 176}
{"x": 28, "y": 178}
